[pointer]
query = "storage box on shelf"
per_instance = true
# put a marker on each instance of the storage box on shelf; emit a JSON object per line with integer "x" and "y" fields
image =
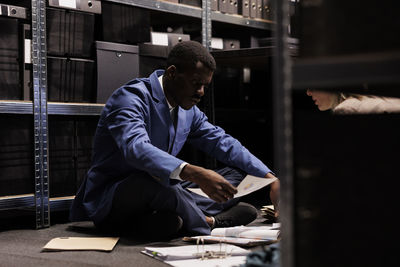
{"x": 70, "y": 33}
{"x": 124, "y": 24}
{"x": 116, "y": 65}
{"x": 15, "y": 76}
{"x": 16, "y": 155}
{"x": 70, "y": 147}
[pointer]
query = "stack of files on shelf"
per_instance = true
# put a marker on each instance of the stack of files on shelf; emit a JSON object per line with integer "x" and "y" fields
{"x": 70, "y": 31}
{"x": 241, "y": 235}
{"x": 15, "y": 73}
{"x": 199, "y": 255}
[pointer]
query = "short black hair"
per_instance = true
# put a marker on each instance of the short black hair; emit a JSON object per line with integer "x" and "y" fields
{"x": 186, "y": 54}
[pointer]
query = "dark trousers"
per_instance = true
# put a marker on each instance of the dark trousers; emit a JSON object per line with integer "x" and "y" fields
{"x": 136, "y": 197}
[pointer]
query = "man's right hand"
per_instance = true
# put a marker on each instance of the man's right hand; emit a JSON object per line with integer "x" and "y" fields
{"x": 213, "y": 184}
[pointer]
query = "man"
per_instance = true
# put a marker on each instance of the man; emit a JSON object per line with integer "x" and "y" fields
{"x": 137, "y": 184}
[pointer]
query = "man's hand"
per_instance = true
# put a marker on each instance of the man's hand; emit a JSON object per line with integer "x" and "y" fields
{"x": 274, "y": 193}
{"x": 213, "y": 184}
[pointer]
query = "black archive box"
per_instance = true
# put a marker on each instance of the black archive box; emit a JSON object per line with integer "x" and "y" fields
{"x": 70, "y": 79}
{"x": 125, "y": 24}
{"x": 116, "y": 65}
{"x": 92, "y": 6}
{"x": 151, "y": 58}
{"x": 16, "y": 154}
{"x": 245, "y": 11}
{"x": 69, "y": 33}
{"x": 253, "y": 8}
{"x": 214, "y": 5}
{"x": 191, "y": 2}
{"x": 70, "y": 152}
{"x": 85, "y": 131}
{"x": 9, "y": 59}
{"x": 15, "y": 67}
{"x": 223, "y": 6}
{"x": 368, "y": 26}
{"x": 231, "y": 44}
{"x": 267, "y": 10}
{"x": 62, "y": 156}
{"x": 233, "y": 6}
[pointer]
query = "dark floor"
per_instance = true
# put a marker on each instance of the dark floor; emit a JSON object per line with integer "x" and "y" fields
{"x": 21, "y": 243}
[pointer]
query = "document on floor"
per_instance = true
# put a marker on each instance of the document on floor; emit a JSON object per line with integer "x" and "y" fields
{"x": 199, "y": 255}
{"x": 81, "y": 243}
{"x": 249, "y": 184}
{"x": 241, "y": 235}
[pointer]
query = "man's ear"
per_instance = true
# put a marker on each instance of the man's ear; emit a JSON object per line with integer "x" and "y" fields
{"x": 170, "y": 72}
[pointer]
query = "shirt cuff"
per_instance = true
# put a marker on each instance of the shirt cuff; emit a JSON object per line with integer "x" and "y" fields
{"x": 175, "y": 174}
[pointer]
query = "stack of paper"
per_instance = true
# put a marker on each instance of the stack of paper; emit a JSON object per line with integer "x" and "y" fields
{"x": 268, "y": 212}
{"x": 241, "y": 235}
{"x": 199, "y": 255}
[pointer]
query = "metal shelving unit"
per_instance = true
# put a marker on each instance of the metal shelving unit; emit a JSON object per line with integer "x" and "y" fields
{"x": 16, "y": 107}
{"x": 39, "y": 200}
{"x": 365, "y": 73}
{"x": 196, "y": 12}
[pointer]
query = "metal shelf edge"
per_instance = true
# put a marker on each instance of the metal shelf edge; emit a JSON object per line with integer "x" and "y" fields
{"x": 16, "y": 107}
{"x": 192, "y": 11}
{"x": 82, "y": 109}
{"x": 17, "y": 201}
{"x": 163, "y": 6}
{"x": 61, "y": 203}
{"x": 243, "y": 21}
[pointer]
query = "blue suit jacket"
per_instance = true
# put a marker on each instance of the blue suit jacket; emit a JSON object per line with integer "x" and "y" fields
{"x": 133, "y": 135}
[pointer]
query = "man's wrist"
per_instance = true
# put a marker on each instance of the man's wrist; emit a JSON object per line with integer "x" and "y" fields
{"x": 177, "y": 172}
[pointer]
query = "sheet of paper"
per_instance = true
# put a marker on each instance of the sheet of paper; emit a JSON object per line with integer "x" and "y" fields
{"x": 249, "y": 184}
{"x": 81, "y": 243}
{"x": 256, "y": 232}
{"x": 244, "y": 242}
{"x": 192, "y": 251}
{"x": 227, "y": 262}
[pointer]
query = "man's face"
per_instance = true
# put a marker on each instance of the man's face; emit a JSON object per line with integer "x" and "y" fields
{"x": 187, "y": 86}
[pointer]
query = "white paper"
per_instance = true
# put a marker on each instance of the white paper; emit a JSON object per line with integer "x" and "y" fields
{"x": 249, "y": 184}
{"x": 192, "y": 251}
{"x": 28, "y": 54}
{"x": 67, "y": 3}
{"x": 252, "y": 232}
{"x": 159, "y": 38}
{"x": 227, "y": 262}
{"x": 217, "y": 43}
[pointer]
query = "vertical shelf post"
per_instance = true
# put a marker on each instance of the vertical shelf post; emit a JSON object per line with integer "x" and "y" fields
{"x": 40, "y": 112}
{"x": 209, "y": 109}
{"x": 206, "y": 41}
{"x": 282, "y": 110}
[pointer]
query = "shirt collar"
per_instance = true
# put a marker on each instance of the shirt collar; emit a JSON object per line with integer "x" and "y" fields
{"x": 162, "y": 87}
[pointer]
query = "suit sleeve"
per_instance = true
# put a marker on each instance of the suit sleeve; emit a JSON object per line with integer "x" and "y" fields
{"x": 127, "y": 125}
